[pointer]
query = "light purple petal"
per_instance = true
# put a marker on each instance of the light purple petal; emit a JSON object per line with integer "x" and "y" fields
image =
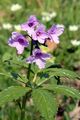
{"x": 30, "y": 24}
{"x": 19, "y": 41}
{"x": 30, "y": 31}
{"x": 13, "y": 44}
{"x": 39, "y": 34}
{"x": 41, "y": 28}
{"x": 49, "y": 37}
{"x": 41, "y": 40}
{"x": 30, "y": 59}
{"x": 56, "y": 29}
{"x": 38, "y": 57}
{"x": 35, "y": 51}
{"x": 40, "y": 63}
{"x": 33, "y": 18}
{"x": 34, "y": 36}
{"x": 46, "y": 56}
{"x": 15, "y": 34}
{"x": 44, "y": 35}
{"x": 24, "y": 26}
{"x": 26, "y": 43}
{"x": 55, "y": 38}
{"x": 19, "y": 48}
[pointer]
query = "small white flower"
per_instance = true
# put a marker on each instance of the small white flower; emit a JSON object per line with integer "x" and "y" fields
{"x": 47, "y": 16}
{"x": 73, "y": 27}
{"x": 15, "y": 7}
{"x": 53, "y": 14}
{"x": 75, "y": 42}
{"x": 17, "y": 27}
{"x": 60, "y": 25}
{"x": 6, "y": 26}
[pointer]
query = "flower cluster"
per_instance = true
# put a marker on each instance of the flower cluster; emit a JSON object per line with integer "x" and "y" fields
{"x": 38, "y": 34}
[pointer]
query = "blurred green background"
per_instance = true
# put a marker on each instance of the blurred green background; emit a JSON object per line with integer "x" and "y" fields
{"x": 49, "y": 12}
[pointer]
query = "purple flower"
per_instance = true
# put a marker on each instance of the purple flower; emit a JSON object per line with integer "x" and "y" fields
{"x": 39, "y": 34}
{"x": 30, "y": 25}
{"x": 54, "y": 32}
{"x": 39, "y": 58}
{"x": 18, "y": 41}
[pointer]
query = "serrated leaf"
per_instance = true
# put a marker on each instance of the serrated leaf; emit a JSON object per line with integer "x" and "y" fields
{"x": 62, "y": 72}
{"x": 64, "y": 90}
{"x": 45, "y": 103}
{"x": 11, "y": 93}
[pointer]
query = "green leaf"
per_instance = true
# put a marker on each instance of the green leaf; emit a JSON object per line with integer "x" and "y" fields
{"x": 57, "y": 72}
{"x": 6, "y": 56}
{"x": 11, "y": 93}
{"x": 62, "y": 72}
{"x": 22, "y": 79}
{"x": 7, "y": 74}
{"x": 45, "y": 103}
{"x": 14, "y": 60}
{"x": 66, "y": 115}
{"x": 19, "y": 61}
{"x": 40, "y": 81}
{"x": 64, "y": 90}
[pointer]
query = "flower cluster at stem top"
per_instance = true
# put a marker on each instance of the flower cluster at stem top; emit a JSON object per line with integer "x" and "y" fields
{"x": 38, "y": 34}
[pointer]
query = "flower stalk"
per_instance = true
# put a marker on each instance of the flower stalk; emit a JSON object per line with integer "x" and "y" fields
{"x": 29, "y": 67}
{"x": 25, "y": 97}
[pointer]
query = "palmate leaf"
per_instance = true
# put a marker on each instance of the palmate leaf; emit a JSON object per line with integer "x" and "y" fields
{"x": 12, "y": 93}
{"x": 45, "y": 102}
{"x": 64, "y": 90}
{"x": 62, "y": 72}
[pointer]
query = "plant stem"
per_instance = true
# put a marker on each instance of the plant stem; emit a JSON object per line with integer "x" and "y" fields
{"x": 29, "y": 67}
{"x": 25, "y": 97}
{"x": 23, "y": 108}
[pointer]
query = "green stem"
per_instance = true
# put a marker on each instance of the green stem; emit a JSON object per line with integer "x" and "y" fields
{"x": 29, "y": 67}
{"x": 25, "y": 97}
